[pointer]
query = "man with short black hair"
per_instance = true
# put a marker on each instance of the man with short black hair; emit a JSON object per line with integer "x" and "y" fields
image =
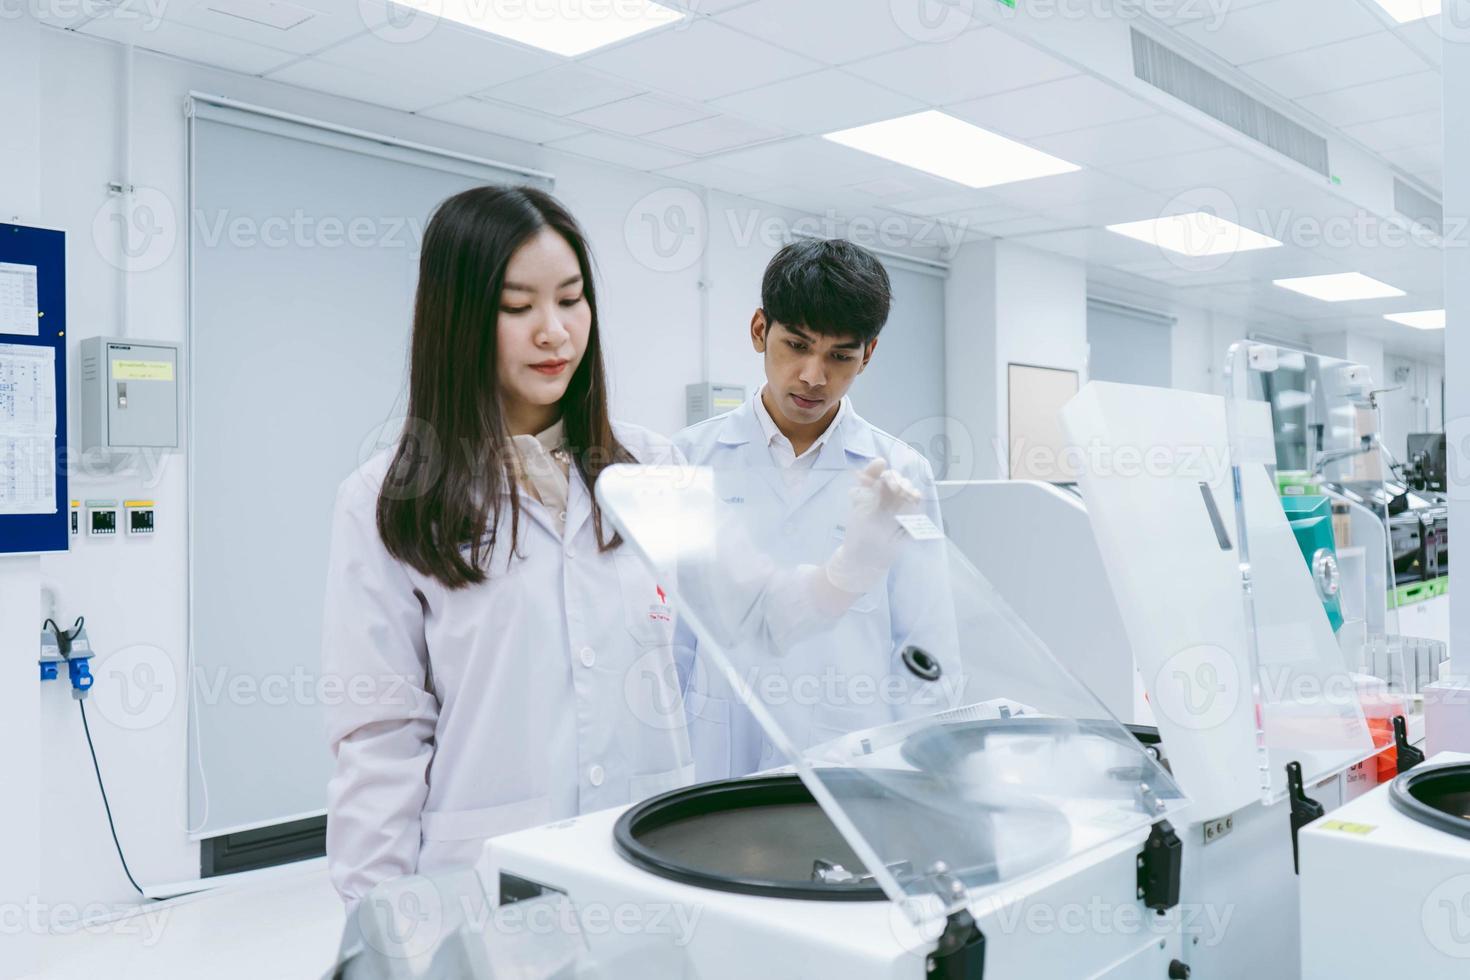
{"x": 823, "y": 305}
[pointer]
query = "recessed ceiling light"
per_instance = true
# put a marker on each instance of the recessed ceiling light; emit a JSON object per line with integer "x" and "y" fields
{"x": 564, "y": 29}
{"x": 1422, "y": 320}
{"x": 1339, "y": 287}
{"x": 1404, "y": 11}
{"x": 940, "y": 144}
{"x": 1196, "y": 234}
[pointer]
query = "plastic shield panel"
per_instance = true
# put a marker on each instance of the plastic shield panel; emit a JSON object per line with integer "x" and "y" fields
{"x": 1243, "y": 670}
{"x": 943, "y": 740}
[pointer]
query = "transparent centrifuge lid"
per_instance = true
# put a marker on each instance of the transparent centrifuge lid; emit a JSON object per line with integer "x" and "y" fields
{"x": 946, "y": 744}
{"x": 1242, "y": 669}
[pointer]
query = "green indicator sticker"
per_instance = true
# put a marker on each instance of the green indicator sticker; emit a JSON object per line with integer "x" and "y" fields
{"x": 1007, "y": 3}
{"x": 1349, "y": 828}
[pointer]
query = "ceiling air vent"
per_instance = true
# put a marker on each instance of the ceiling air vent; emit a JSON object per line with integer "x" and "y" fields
{"x": 1418, "y": 206}
{"x": 1188, "y": 82}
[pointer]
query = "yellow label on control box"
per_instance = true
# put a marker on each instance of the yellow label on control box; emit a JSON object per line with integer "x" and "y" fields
{"x": 142, "y": 371}
{"x": 1349, "y": 828}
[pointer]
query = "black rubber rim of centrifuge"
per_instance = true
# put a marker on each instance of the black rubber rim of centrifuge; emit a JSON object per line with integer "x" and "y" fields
{"x": 1401, "y": 795}
{"x": 720, "y": 797}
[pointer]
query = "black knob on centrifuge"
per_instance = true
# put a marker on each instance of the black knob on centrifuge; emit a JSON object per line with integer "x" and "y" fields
{"x": 921, "y": 664}
{"x": 1178, "y": 971}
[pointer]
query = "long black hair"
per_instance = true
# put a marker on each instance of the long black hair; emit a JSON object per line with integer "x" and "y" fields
{"x": 442, "y": 497}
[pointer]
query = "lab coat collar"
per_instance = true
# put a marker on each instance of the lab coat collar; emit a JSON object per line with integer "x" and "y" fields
{"x": 854, "y": 435}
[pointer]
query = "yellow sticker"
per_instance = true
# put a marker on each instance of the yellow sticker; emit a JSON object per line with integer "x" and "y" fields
{"x": 1349, "y": 828}
{"x": 142, "y": 371}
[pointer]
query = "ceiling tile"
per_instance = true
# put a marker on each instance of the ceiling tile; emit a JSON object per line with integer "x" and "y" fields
{"x": 1377, "y": 100}
{"x": 449, "y": 58}
{"x": 952, "y": 71}
{"x": 1279, "y": 27}
{"x": 620, "y": 151}
{"x": 817, "y": 200}
{"x": 504, "y": 120}
{"x": 1414, "y": 129}
{"x": 832, "y": 31}
{"x": 905, "y": 185}
{"x": 1062, "y": 189}
{"x": 810, "y": 159}
{"x": 322, "y": 22}
{"x": 1429, "y": 156}
{"x": 188, "y": 43}
{"x": 1200, "y": 168}
{"x": 1125, "y": 142}
{"x": 1425, "y": 37}
{"x": 951, "y": 202}
{"x": 1052, "y": 107}
{"x": 1108, "y": 211}
{"x": 702, "y": 61}
{"x": 822, "y": 102}
{"x": 562, "y": 91}
{"x": 704, "y": 6}
{"x": 707, "y": 174}
{"x": 713, "y": 135}
{"x": 394, "y": 93}
{"x": 1334, "y": 66}
{"x": 1031, "y": 224}
{"x": 1176, "y": 13}
{"x": 640, "y": 114}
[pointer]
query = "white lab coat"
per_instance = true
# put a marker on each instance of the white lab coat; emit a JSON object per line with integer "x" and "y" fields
{"x": 836, "y": 668}
{"x": 542, "y": 693}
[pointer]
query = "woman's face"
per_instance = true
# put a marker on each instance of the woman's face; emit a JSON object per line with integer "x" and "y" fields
{"x": 542, "y": 327}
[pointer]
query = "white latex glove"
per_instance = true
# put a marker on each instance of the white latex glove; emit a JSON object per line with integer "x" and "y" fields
{"x": 873, "y": 538}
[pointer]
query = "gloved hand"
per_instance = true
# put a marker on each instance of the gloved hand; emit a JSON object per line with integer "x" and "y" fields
{"x": 873, "y": 538}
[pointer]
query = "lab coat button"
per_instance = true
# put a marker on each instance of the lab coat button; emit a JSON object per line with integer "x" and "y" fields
{"x": 589, "y": 657}
{"x": 571, "y": 553}
{"x": 595, "y": 775}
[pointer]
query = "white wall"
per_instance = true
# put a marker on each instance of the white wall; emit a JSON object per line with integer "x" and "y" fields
{"x": 1456, "y": 74}
{"x": 1006, "y": 304}
{"x": 20, "y": 722}
{"x": 132, "y": 592}
{"x": 1416, "y": 404}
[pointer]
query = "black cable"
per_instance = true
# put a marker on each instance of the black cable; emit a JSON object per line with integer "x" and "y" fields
{"x": 63, "y": 645}
{"x": 82, "y": 705}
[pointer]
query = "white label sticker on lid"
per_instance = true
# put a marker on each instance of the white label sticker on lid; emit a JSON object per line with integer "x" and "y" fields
{"x": 919, "y": 526}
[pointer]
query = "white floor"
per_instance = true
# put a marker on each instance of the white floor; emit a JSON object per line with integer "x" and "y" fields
{"x": 284, "y": 928}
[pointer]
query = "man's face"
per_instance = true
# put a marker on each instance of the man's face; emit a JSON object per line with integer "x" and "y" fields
{"x": 807, "y": 373}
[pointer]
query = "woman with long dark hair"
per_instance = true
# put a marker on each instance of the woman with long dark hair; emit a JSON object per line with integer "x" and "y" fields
{"x": 482, "y": 616}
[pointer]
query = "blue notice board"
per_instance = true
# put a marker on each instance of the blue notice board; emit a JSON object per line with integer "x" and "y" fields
{"x": 32, "y": 275}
